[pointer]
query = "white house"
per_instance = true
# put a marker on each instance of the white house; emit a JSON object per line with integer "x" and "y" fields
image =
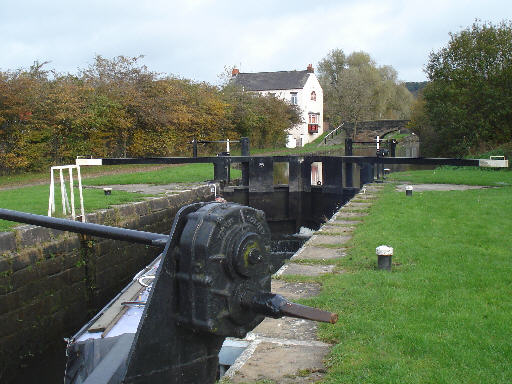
{"x": 298, "y": 88}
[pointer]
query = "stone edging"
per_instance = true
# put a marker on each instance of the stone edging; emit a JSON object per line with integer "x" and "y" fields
{"x": 299, "y": 359}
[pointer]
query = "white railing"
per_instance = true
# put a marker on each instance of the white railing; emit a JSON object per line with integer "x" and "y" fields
{"x": 333, "y": 132}
{"x": 66, "y": 206}
{"x": 494, "y": 162}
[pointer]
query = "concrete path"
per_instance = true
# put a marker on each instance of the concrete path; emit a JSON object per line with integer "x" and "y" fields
{"x": 152, "y": 189}
{"x": 287, "y": 350}
{"x": 440, "y": 187}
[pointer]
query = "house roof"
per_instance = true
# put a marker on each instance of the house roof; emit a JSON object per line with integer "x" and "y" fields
{"x": 267, "y": 81}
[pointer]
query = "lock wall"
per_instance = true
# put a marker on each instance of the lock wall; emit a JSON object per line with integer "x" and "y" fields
{"x": 51, "y": 282}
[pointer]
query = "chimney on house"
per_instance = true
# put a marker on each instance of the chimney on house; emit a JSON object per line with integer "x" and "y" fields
{"x": 235, "y": 72}
{"x": 310, "y": 68}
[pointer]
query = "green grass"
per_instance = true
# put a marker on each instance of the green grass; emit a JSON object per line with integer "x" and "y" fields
{"x": 452, "y": 175}
{"x": 35, "y": 200}
{"x": 187, "y": 173}
{"x": 316, "y": 146}
{"x": 30, "y": 177}
{"x": 308, "y": 148}
{"x": 444, "y": 315}
{"x": 397, "y": 136}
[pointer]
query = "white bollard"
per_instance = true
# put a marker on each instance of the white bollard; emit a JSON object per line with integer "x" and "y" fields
{"x": 384, "y": 256}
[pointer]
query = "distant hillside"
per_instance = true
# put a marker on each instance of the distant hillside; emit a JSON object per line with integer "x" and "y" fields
{"x": 415, "y": 86}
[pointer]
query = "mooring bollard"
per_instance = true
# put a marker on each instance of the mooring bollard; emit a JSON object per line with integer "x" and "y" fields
{"x": 384, "y": 256}
{"x": 107, "y": 191}
{"x": 408, "y": 190}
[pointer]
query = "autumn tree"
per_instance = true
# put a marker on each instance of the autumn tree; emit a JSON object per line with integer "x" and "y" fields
{"x": 23, "y": 139}
{"x": 119, "y": 108}
{"x": 119, "y": 105}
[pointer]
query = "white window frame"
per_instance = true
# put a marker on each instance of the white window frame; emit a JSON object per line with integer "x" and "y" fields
{"x": 294, "y": 100}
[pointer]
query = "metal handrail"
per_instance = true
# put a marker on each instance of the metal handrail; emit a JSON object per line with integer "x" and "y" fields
{"x": 333, "y": 132}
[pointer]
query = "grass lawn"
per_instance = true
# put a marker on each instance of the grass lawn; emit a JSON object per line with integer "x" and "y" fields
{"x": 444, "y": 315}
{"x": 316, "y": 146}
{"x": 187, "y": 173}
{"x": 31, "y": 177}
{"x": 452, "y": 175}
{"x": 35, "y": 200}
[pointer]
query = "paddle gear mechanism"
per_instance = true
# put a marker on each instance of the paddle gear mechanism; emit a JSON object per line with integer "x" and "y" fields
{"x": 213, "y": 282}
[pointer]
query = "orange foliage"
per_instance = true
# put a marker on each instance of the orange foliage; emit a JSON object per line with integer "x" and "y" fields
{"x": 118, "y": 108}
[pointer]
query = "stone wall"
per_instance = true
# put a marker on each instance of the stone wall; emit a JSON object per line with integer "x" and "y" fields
{"x": 51, "y": 282}
{"x": 409, "y": 147}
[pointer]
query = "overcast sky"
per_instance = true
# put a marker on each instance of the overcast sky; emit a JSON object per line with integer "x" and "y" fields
{"x": 196, "y": 39}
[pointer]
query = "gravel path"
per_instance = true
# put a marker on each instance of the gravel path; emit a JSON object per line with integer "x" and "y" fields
{"x": 151, "y": 189}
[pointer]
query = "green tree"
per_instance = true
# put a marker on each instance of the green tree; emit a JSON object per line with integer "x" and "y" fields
{"x": 468, "y": 101}
{"x": 356, "y": 89}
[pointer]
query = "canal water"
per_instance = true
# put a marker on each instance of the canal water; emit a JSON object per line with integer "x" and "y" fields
{"x": 48, "y": 368}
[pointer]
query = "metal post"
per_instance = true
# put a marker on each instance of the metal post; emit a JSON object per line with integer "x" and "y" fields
{"x": 349, "y": 182}
{"x": 228, "y": 167}
{"x": 194, "y": 148}
{"x": 348, "y": 147}
{"x": 261, "y": 170}
{"x": 332, "y": 175}
{"x": 51, "y": 199}
{"x": 73, "y": 214}
{"x": 367, "y": 173}
{"x": 384, "y": 257}
{"x": 220, "y": 170}
{"x": 105, "y": 231}
{"x": 63, "y": 193}
{"x": 82, "y": 210}
{"x": 392, "y": 147}
{"x": 244, "y": 141}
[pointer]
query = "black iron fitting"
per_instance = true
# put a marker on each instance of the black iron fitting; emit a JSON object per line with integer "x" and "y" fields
{"x": 104, "y": 231}
{"x": 276, "y": 306}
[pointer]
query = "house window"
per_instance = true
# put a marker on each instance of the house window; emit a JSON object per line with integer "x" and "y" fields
{"x": 294, "y": 98}
{"x": 313, "y": 96}
{"x": 313, "y": 122}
